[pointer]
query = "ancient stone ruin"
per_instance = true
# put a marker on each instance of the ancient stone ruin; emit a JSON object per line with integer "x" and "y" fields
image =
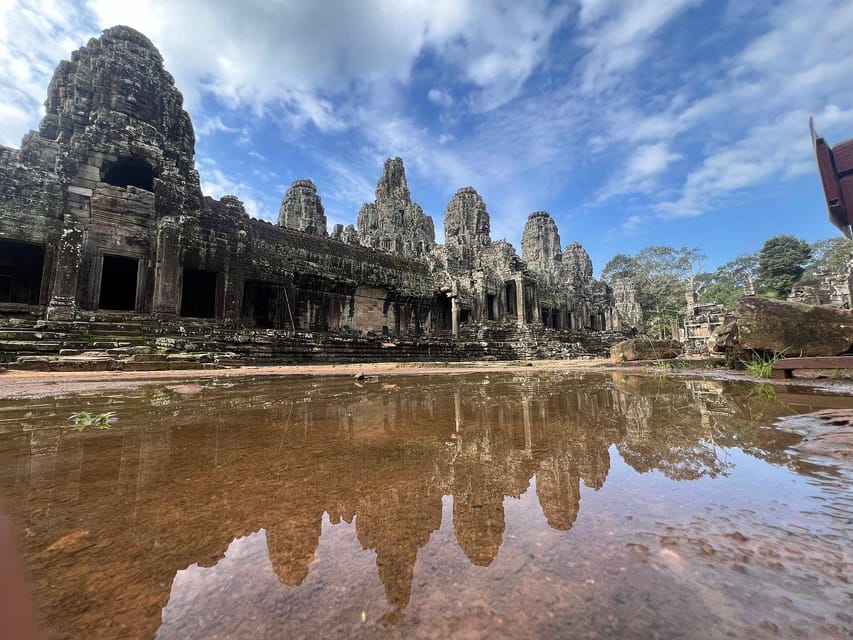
{"x": 102, "y": 220}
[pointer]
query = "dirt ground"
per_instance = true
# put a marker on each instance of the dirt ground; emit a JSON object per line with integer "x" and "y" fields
{"x": 41, "y": 384}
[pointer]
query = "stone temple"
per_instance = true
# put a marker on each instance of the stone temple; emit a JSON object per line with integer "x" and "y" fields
{"x": 102, "y": 217}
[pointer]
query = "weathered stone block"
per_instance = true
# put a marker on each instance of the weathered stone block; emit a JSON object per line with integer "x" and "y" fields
{"x": 793, "y": 328}
{"x": 644, "y": 349}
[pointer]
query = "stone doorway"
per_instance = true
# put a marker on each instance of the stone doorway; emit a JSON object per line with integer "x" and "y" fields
{"x": 119, "y": 276}
{"x": 21, "y": 267}
{"x": 198, "y": 294}
{"x": 511, "y": 299}
{"x": 260, "y": 304}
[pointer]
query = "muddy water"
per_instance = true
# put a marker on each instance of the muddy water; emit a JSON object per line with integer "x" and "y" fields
{"x": 499, "y": 506}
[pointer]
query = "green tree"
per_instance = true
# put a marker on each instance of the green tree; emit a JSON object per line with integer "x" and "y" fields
{"x": 781, "y": 262}
{"x": 660, "y": 275}
{"x": 726, "y": 285}
{"x": 830, "y": 255}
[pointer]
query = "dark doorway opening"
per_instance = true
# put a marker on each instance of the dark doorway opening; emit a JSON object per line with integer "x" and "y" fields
{"x": 511, "y": 300}
{"x": 21, "y": 266}
{"x": 198, "y": 294}
{"x": 442, "y": 314}
{"x": 491, "y": 307}
{"x": 118, "y": 283}
{"x": 130, "y": 172}
{"x": 464, "y": 315}
{"x": 260, "y": 304}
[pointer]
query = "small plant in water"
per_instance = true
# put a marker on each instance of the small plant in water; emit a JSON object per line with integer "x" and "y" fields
{"x": 761, "y": 366}
{"x": 663, "y": 366}
{"x": 763, "y": 390}
{"x": 83, "y": 419}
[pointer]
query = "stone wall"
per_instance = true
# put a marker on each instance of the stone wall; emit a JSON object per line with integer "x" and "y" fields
{"x": 101, "y": 211}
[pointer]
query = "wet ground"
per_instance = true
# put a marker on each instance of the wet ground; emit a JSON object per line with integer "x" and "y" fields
{"x": 502, "y": 504}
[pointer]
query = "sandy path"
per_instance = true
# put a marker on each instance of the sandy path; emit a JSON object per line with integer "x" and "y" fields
{"x": 39, "y": 384}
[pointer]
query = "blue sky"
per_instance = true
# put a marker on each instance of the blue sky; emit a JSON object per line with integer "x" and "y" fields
{"x": 679, "y": 122}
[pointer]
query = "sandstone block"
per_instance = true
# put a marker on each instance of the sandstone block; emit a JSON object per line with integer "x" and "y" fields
{"x": 644, "y": 349}
{"x": 793, "y": 328}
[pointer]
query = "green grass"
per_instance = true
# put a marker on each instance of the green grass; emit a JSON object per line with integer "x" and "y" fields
{"x": 82, "y": 419}
{"x": 763, "y": 390}
{"x": 663, "y": 366}
{"x": 761, "y": 366}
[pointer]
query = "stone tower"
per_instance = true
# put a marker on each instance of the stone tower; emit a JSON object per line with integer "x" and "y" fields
{"x": 540, "y": 246}
{"x": 302, "y": 209}
{"x": 466, "y": 230}
{"x": 577, "y": 266}
{"x": 394, "y": 223}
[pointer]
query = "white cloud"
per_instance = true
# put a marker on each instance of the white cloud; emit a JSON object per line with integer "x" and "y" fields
{"x": 619, "y": 36}
{"x": 650, "y": 160}
{"x": 215, "y": 183}
{"x": 34, "y": 36}
{"x": 440, "y": 97}
{"x": 298, "y": 57}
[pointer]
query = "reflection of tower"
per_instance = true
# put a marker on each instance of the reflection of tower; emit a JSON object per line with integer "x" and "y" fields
{"x": 558, "y": 488}
{"x": 396, "y": 524}
{"x": 291, "y": 545}
{"x": 478, "y": 519}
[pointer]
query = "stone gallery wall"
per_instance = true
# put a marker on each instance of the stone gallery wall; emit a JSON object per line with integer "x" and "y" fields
{"x": 101, "y": 210}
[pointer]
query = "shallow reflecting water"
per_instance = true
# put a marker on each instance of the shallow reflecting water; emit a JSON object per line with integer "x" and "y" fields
{"x": 555, "y": 505}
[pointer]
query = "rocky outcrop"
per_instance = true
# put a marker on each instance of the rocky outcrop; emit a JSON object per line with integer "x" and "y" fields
{"x": 466, "y": 230}
{"x": 394, "y": 223}
{"x": 792, "y": 328}
{"x": 302, "y": 209}
{"x": 540, "y": 247}
{"x": 644, "y": 349}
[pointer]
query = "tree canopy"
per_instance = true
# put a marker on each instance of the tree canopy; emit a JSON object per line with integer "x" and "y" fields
{"x": 660, "y": 275}
{"x": 781, "y": 262}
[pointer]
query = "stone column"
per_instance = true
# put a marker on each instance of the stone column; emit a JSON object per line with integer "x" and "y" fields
{"x": 454, "y": 315}
{"x": 69, "y": 253}
{"x": 519, "y": 301}
{"x": 167, "y": 271}
{"x": 537, "y": 309}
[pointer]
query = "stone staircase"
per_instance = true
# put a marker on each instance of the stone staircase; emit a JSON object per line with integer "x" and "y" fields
{"x": 132, "y": 343}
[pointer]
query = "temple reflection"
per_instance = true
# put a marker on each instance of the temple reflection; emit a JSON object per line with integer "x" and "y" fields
{"x": 180, "y": 477}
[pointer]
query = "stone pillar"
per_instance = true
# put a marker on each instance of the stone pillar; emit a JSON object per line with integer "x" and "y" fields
{"x": 69, "y": 253}
{"x": 528, "y": 425}
{"x": 519, "y": 301}
{"x": 167, "y": 271}
{"x": 454, "y": 315}
{"x": 537, "y": 309}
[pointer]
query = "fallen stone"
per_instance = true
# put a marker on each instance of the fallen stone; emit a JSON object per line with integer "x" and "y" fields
{"x": 644, "y": 349}
{"x": 724, "y": 338}
{"x": 126, "y": 365}
{"x": 30, "y": 363}
{"x": 826, "y": 434}
{"x": 793, "y": 328}
{"x": 146, "y": 357}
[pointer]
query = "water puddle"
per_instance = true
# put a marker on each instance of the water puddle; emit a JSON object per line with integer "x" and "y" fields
{"x": 490, "y": 505}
